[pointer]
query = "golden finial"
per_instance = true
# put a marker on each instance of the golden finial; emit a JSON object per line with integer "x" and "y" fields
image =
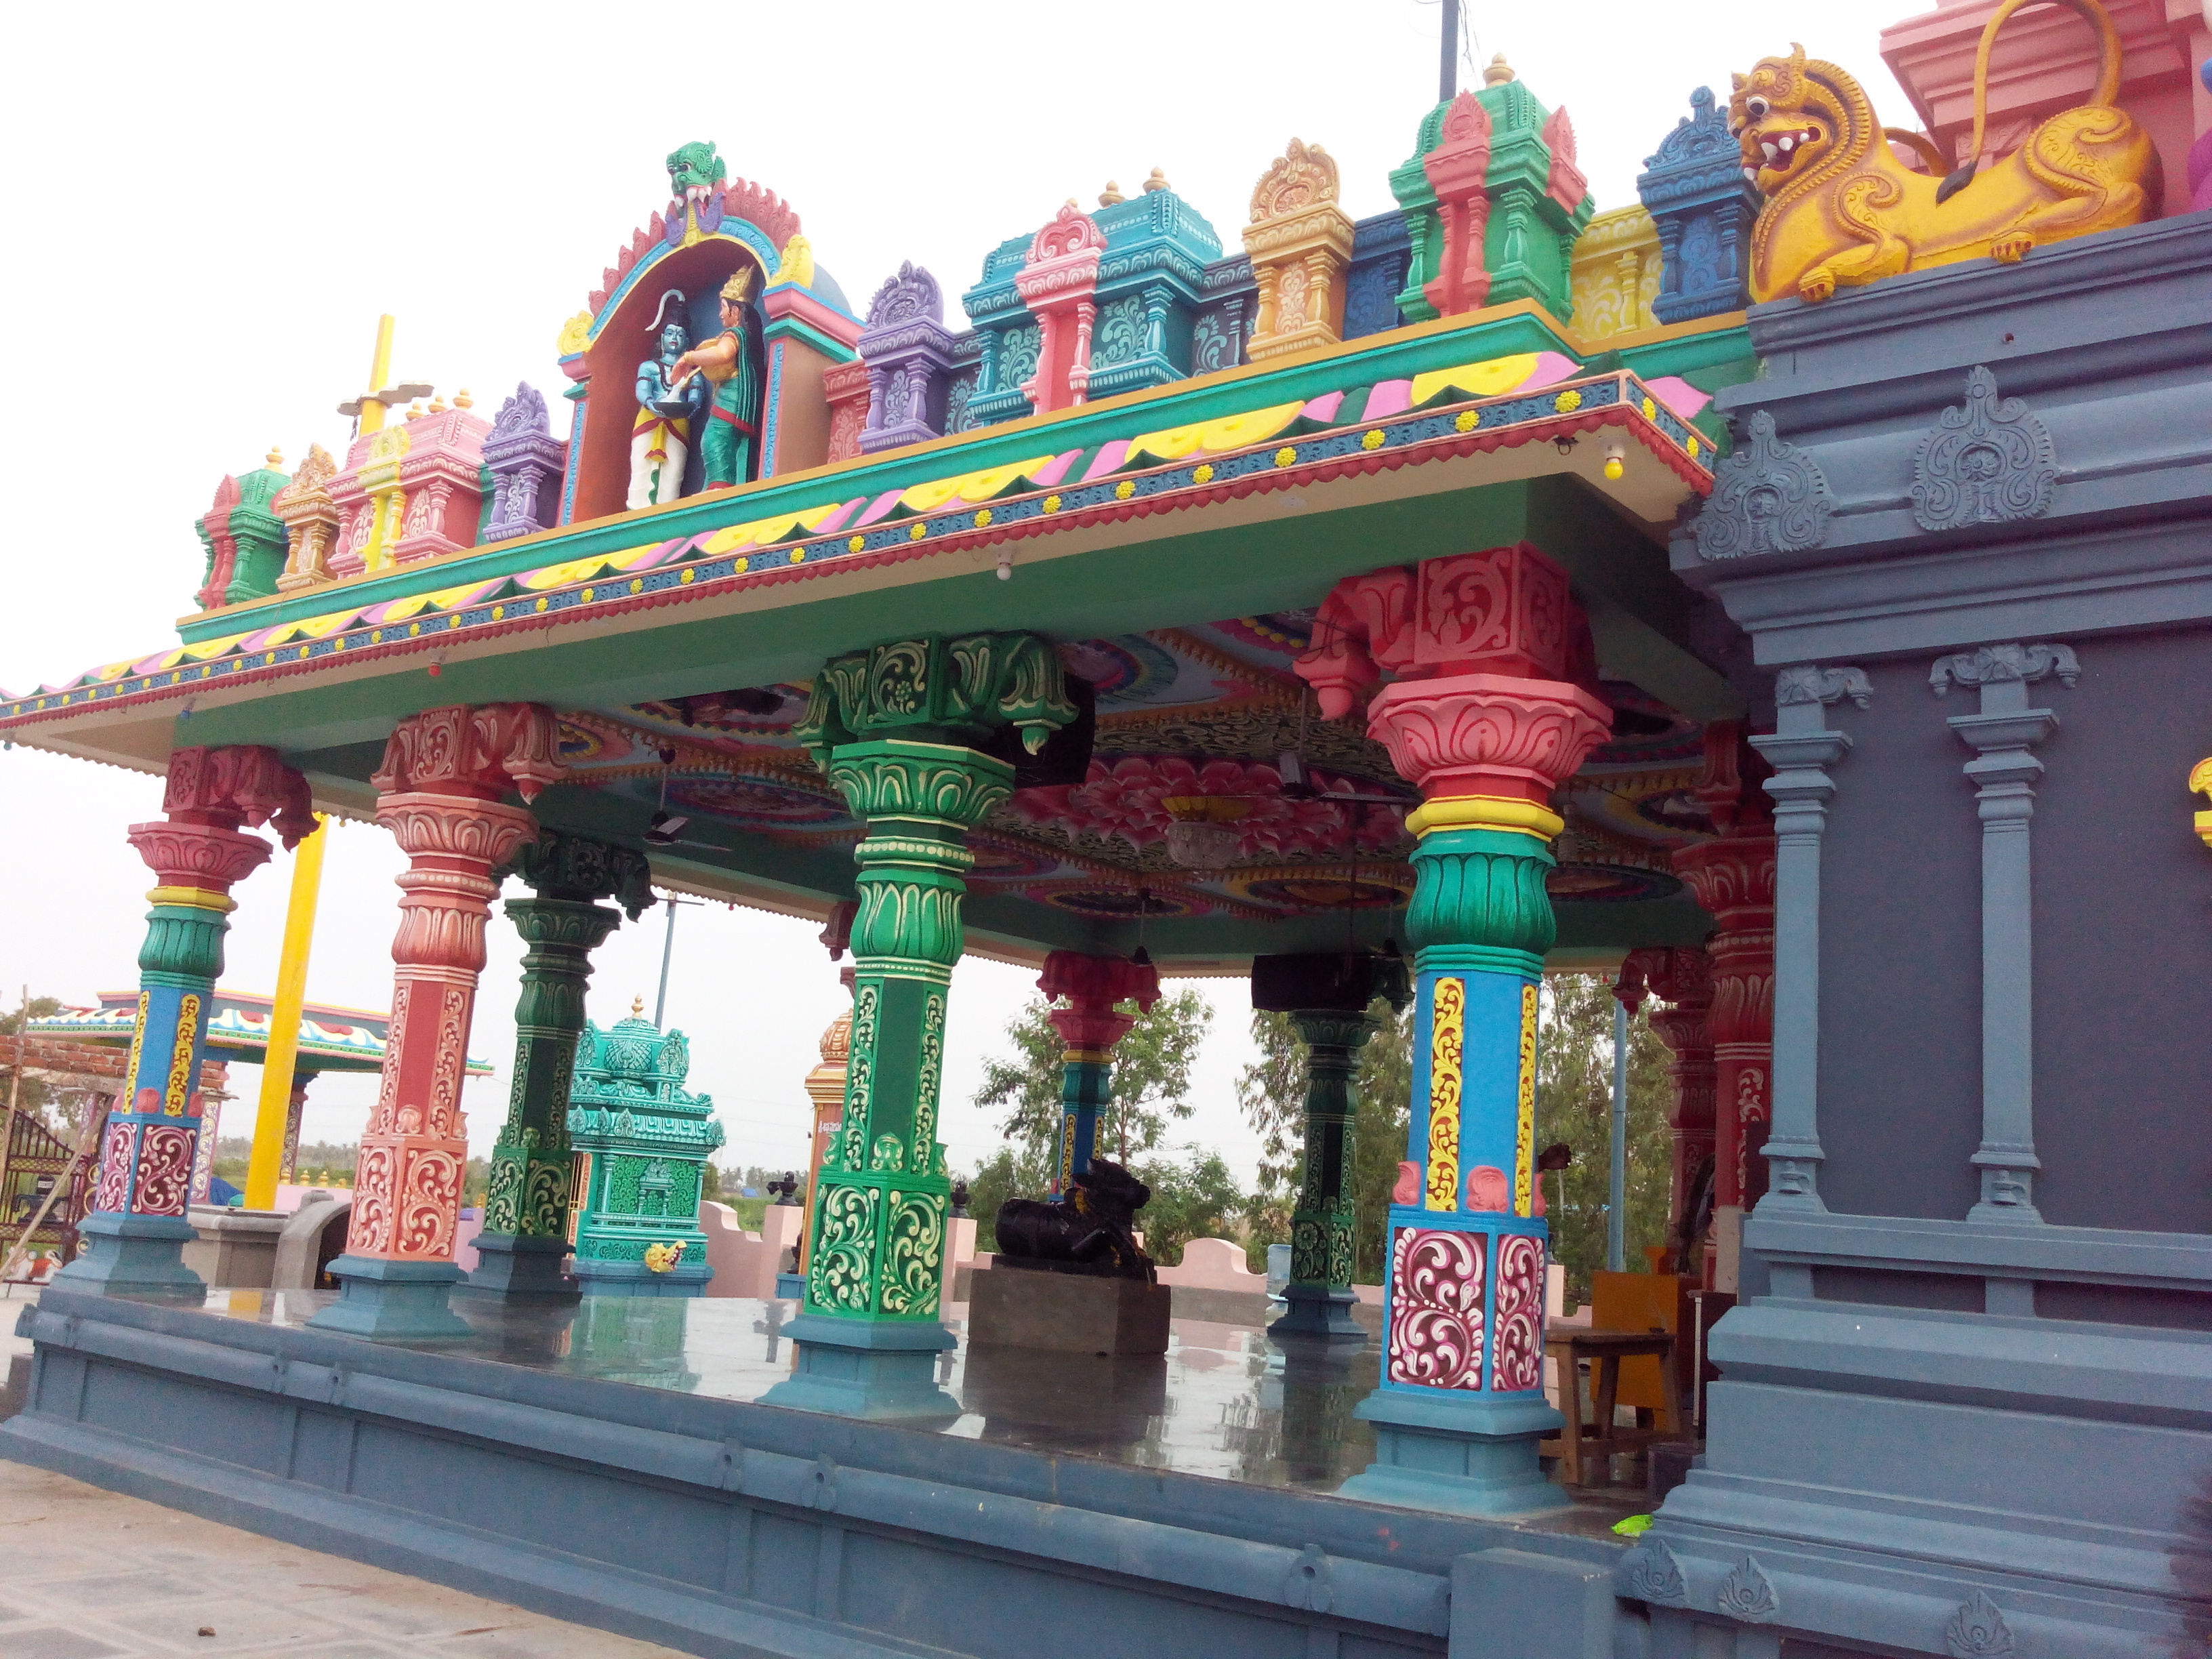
{"x": 1111, "y": 196}
{"x": 637, "y": 1007}
{"x": 1158, "y": 181}
{"x": 275, "y": 458}
{"x": 1498, "y": 73}
{"x": 414, "y": 412}
{"x": 462, "y": 400}
{"x": 437, "y": 405}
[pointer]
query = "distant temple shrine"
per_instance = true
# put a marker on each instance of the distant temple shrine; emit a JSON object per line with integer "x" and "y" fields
{"x": 1787, "y": 593}
{"x": 642, "y": 1142}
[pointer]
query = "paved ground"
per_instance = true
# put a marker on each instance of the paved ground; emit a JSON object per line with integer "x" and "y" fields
{"x": 88, "y": 1574}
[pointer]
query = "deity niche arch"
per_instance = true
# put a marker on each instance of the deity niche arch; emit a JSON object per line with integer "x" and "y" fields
{"x": 627, "y": 334}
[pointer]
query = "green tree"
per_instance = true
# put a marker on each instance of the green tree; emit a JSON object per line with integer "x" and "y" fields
{"x": 1151, "y": 1076}
{"x": 1574, "y": 1104}
{"x": 1194, "y": 1196}
{"x": 1272, "y": 1092}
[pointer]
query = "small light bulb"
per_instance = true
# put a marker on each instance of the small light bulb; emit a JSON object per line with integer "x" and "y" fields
{"x": 1616, "y": 464}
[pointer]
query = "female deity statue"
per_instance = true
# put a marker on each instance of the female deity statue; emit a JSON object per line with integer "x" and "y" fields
{"x": 725, "y": 364}
{"x": 660, "y": 439}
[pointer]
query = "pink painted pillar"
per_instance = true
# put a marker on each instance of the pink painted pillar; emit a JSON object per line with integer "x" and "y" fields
{"x": 439, "y": 793}
{"x": 1058, "y": 285}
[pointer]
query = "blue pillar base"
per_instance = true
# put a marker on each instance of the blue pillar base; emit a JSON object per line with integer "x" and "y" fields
{"x": 510, "y": 1265}
{"x": 597, "y": 1278}
{"x": 1319, "y": 1310}
{"x": 139, "y": 1255}
{"x": 878, "y": 1371}
{"x": 790, "y": 1287}
{"x": 393, "y": 1301}
{"x": 1458, "y": 1457}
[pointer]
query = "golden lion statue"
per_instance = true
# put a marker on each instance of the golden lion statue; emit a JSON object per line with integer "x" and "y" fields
{"x": 1841, "y": 209}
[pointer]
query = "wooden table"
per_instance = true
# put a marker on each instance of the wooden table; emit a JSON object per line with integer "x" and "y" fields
{"x": 1605, "y": 1350}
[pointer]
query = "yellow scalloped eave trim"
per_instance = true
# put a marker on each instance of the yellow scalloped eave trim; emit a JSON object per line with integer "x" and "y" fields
{"x": 971, "y": 486}
{"x": 1487, "y": 378}
{"x": 1229, "y": 432}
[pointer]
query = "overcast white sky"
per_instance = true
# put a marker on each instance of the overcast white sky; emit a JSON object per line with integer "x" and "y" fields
{"x": 206, "y": 208}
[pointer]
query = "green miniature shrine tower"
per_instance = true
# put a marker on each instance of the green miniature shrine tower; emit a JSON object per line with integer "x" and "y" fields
{"x": 642, "y": 1142}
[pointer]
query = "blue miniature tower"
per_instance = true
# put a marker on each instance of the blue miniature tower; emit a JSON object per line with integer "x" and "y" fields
{"x": 642, "y": 1145}
{"x": 1696, "y": 193}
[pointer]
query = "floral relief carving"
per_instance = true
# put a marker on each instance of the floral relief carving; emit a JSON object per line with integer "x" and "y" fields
{"x": 1436, "y": 1335}
{"x": 1768, "y": 497}
{"x": 1985, "y": 461}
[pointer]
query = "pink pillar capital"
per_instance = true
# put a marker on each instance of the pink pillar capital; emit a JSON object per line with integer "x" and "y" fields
{"x": 1095, "y": 986}
{"x": 1487, "y": 736}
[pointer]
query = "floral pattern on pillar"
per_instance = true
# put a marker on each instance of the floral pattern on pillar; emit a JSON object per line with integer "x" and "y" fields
{"x": 1489, "y": 712}
{"x": 1089, "y": 1026}
{"x": 198, "y": 852}
{"x": 1732, "y": 877}
{"x": 439, "y": 794}
{"x": 900, "y": 730}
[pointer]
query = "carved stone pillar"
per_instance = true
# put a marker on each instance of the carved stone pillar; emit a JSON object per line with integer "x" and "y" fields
{"x": 1089, "y": 1026}
{"x": 295, "y": 1111}
{"x": 1799, "y": 749}
{"x": 1732, "y": 876}
{"x": 439, "y": 794}
{"x": 2004, "y": 771}
{"x": 526, "y": 1218}
{"x": 135, "y": 1234}
{"x": 1482, "y": 719}
{"x": 1683, "y": 979}
{"x": 900, "y": 730}
{"x": 1327, "y": 996}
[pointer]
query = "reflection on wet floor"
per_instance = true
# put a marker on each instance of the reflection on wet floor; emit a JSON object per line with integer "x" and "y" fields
{"x": 1226, "y": 1401}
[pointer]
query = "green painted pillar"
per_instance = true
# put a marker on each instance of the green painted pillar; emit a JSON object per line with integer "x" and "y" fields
{"x": 901, "y": 730}
{"x": 1327, "y": 996}
{"x": 526, "y": 1224}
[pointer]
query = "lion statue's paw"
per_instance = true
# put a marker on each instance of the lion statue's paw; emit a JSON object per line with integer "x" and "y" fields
{"x": 1817, "y": 284}
{"x": 2012, "y": 247}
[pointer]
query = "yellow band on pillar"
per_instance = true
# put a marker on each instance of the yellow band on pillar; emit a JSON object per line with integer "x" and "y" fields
{"x": 197, "y": 898}
{"x": 1086, "y": 1057}
{"x": 2200, "y": 783}
{"x": 1501, "y": 812}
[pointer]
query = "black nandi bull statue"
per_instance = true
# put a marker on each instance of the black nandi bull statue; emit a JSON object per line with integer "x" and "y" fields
{"x": 1089, "y": 1230}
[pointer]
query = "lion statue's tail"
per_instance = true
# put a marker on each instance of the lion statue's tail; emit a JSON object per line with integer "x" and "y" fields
{"x": 2107, "y": 88}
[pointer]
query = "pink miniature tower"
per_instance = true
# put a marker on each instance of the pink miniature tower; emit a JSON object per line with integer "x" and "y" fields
{"x": 1057, "y": 284}
{"x": 411, "y": 491}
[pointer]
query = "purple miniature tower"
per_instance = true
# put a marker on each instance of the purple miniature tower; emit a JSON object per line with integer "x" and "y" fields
{"x": 908, "y": 354}
{"x": 527, "y": 462}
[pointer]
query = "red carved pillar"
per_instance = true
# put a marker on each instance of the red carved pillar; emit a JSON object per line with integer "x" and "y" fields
{"x": 439, "y": 793}
{"x": 1683, "y": 979}
{"x": 1733, "y": 878}
{"x": 1089, "y": 1026}
{"x": 136, "y": 1235}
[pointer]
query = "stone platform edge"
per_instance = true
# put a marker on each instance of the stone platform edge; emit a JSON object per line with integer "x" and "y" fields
{"x": 331, "y": 1442}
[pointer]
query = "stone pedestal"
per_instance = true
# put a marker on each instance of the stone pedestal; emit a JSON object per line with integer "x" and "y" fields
{"x": 235, "y": 1248}
{"x": 1068, "y": 1312}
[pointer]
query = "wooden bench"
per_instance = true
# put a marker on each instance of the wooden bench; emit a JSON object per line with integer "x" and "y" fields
{"x": 1605, "y": 1350}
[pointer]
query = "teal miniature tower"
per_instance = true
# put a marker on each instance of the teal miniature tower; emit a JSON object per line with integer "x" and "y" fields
{"x": 642, "y": 1142}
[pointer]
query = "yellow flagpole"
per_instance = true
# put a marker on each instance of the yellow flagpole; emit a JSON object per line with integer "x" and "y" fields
{"x": 379, "y": 373}
{"x": 277, "y": 1066}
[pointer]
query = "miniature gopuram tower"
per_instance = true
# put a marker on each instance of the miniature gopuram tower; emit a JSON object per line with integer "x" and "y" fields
{"x": 1493, "y": 201}
{"x": 641, "y": 1142}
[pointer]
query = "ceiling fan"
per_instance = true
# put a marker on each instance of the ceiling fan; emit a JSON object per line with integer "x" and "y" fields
{"x": 1299, "y": 784}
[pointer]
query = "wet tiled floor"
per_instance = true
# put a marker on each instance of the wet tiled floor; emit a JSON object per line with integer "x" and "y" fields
{"x": 1226, "y": 1401}
{"x": 91, "y": 1574}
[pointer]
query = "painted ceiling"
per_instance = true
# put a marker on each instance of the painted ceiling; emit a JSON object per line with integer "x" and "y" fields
{"x": 1191, "y": 722}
